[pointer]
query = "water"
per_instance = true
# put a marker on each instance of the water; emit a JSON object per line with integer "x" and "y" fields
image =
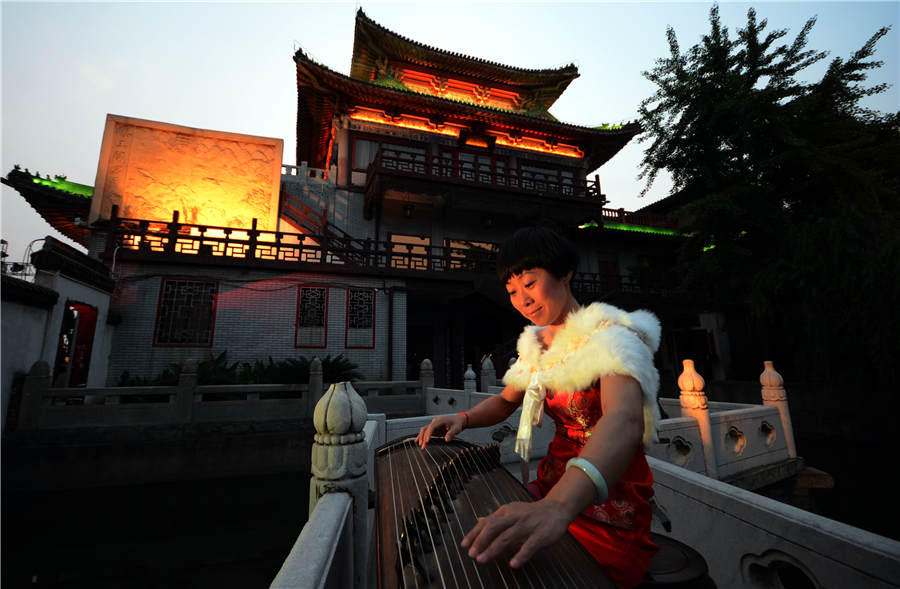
{"x": 199, "y": 534}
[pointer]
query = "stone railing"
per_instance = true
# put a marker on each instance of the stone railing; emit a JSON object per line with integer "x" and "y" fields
{"x": 749, "y": 541}
{"x": 42, "y": 407}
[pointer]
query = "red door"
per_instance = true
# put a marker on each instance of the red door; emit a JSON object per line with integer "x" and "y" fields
{"x": 76, "y": 341}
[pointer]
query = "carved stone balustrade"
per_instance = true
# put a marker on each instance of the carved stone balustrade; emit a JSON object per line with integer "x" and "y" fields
{"x": 339, "y": 462}
{"x": 694, "y": 404}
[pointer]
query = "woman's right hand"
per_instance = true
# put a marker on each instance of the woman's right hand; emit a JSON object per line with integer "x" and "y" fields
{"x": 451, "y": 424}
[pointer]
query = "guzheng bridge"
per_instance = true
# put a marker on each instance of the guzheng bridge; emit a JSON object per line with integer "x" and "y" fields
{"x": 235, "y": 316}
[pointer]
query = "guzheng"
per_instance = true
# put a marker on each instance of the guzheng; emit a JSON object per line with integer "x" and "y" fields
{"x": 427, "y": 500}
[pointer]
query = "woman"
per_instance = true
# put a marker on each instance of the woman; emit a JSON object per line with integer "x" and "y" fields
{"x": 591, "y": 369}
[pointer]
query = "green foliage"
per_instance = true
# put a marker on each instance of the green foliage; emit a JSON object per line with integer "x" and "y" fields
{"x": 795, "y": 184}
{"x": 215, "y": 369}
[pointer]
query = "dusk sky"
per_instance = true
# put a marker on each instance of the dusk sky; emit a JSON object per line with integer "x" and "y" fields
{"x": 228, "y": 67}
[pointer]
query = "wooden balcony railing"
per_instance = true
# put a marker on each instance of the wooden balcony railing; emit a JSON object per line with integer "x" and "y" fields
{"x": 171, "y": 237}
{"x": 442, "y": 169}
{"x": 154, "y": 238}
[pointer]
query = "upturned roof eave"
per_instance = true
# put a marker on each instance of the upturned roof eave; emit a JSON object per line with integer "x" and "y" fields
{"x": 324, "y": 79}
{"x": 57, "y": 207}
{"x": 369, "y": 36}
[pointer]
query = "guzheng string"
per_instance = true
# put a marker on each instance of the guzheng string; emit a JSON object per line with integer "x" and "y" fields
{"x": 453, "y": 461}
{"x": 516, "y": 577}
{"x": 478, "y": 464}
{"x": 394, "y": 494}
{"x": 429, "y": 525}
{"x": 529, "y": 573}
{"x": 546, "y": 577}
{"x": 424, "y": 472}
{"x": 448, "y": 495}
{"x": 426, "y": 519}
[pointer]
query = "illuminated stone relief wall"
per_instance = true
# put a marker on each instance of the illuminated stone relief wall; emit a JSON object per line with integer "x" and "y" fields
{"x": 150, "y": 169}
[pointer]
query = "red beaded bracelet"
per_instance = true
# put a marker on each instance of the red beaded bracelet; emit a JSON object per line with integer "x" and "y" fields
{"x": 467, "y": 418}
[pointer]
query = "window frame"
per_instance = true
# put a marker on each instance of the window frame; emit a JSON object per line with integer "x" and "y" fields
{"x": 347, "y": 327}
{"x": 159, "y": 302}
{"x": 297, "y": 327}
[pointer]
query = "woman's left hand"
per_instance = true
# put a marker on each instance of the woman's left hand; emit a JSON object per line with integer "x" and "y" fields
{"x": 527, "y": 526}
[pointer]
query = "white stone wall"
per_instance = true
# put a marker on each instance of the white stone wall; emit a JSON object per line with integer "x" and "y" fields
{"x": 23, "y": 329}
{"x": 76, "y": 291}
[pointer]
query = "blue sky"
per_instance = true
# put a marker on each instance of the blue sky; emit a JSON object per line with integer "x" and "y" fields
{"x": 228, "y": 67}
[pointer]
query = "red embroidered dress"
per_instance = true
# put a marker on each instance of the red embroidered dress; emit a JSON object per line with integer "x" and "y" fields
{"x": 595, "y": 341}
{"x": 617, "y": 533}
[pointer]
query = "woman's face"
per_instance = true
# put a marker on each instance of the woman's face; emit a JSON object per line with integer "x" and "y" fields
{"x": 540, "y": 297}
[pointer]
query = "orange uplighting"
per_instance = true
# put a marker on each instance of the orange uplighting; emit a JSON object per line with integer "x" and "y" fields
{"x": 532, "y": 144}
{"x": 405, "y": 121}
{"x": 453, "y": 130}
{"x": 460, "y": 90}
{"x": 475, "y": 142}
{"x": 212, "y": 178}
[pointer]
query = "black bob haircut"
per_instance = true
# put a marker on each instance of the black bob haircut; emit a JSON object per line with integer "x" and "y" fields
{"x": 536, "y": 247}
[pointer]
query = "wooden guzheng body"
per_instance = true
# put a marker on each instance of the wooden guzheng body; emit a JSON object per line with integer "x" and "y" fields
{"x": 428, "y": 500}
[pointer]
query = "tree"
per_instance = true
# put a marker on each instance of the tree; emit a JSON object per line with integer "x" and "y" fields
{"x": 792, "y": 192}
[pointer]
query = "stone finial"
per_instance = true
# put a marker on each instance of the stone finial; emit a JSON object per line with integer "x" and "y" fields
{"x": 338, "y": 463}
{"x": 772, "y": 383}
{"x": 469, "y": 374}
{"x": 690, "y": 380}
{"x": 340, "y": 411}
{"x": 426, "y": 374}
{"x": 693, "y": 404}
{"x": 488, "y": 374}
{"x": 774, "y": 395}
{"x": 316, "y": 383}
{"x": 469, "y": 385}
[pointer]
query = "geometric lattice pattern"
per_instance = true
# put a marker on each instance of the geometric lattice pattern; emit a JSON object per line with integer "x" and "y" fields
{"x": 360, "y": 308}
{"x": 312, "y": 317}
{"x": 360, "y": 318}
{"x": 186, "y": 312}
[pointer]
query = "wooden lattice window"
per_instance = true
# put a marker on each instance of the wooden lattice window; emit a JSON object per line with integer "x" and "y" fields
{"x": 360, "y": 318}
{"x": 312, "y": 317}
{"x": 186, "y": 312}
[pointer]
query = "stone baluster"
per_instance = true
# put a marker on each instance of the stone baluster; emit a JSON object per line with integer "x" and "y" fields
{"x": 426, "y": 375}
{"x": 694, "y": 404}
{"x": 185, "y": 391}
{"x": 316, "y": 384}
{"x": 469, "y": 385}
{"x": 488, "y": 374}
{"x": 339, "y": 462}
{"x": 426, "y": 380}
{"x": 36, "y": 383}
{"x": 774, "y": 395}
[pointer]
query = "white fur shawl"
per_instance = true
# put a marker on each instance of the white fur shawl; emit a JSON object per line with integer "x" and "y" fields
{"x": 595, "y": 341}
